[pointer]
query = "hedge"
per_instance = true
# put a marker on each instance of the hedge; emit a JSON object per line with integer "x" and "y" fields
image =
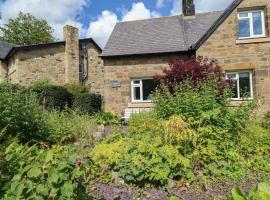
{"x": 51, "y": 96}
{"x": 87, "y": 103}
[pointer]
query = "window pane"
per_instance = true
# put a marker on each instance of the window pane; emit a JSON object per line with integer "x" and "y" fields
{"x": 81, "y": 68}
{"x": 148, "y": 88}
{"x": 231, "y": 76}
{"x": 244, "y": 83}
{"x": 243, "y": 14}
{"x": 234, "y": 89}
{"x": 136, "y": 82}
{"x": 244, "y": 28}
{"x": 137, "y": 93}
{"x": 257, "y": 23}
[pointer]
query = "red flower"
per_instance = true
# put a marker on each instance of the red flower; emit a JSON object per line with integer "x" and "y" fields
{"x": 79, "y": 163}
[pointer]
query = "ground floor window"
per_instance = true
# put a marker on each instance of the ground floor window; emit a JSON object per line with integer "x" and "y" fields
{"x": 243, "y": 86}
{"x": 141, "y": 89}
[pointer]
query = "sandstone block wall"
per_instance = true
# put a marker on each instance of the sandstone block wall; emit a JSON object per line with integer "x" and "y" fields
{"x": 71, "y": 36}
{"x": 41, "y": 64}
{"x": 123, "y": 70}
{"x": 3, "y": 71}
{"x": 95, "y": 79}
{"x": 251, "y": 54}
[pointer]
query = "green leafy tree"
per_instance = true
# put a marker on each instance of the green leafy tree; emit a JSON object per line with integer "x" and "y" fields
{"x": 26, "y": 30}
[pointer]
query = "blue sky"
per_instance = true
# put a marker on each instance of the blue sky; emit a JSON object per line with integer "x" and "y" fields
{"x": 97, "y": 18}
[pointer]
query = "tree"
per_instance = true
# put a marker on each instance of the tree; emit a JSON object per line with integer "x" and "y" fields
{"x": 195, "y": 69}
{"x": 26, "y": 30}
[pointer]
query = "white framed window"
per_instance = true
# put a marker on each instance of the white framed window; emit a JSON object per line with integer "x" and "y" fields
{"x": 141, "y": 89}
{"x": 243, "y": 84}
{"x": 251, "y": 24}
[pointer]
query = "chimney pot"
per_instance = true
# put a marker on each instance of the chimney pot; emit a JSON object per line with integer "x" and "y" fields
{"x": 188, "y": 8}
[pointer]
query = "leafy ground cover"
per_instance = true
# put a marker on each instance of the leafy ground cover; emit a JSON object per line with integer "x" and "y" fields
{"x": 194, "y": 145}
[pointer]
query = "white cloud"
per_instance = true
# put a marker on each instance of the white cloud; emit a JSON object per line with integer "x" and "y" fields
{"x": 201, "y": 5}
{"x": 160, "y": 4}
{"x": 101, "y": 29}
{"x": 56, "y": 12}
{"x": 137, "y": 12}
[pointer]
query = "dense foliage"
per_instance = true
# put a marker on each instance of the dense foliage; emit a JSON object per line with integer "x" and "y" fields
{"x": 20, "y": 116}
{"x": 26, "y": 30}
{"x": 193, "y": 135}
{"x": 42, "y": 173}
{"x": 31, "y": 165}
{"x": 196, "y": 69}
{"x": 75, "y": 96}
{"x": 107, "y": 118}
{"x": 259, "y": 192}
{"x": 87, "y": 103}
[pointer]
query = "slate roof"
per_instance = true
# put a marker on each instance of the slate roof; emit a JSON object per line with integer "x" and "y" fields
{"x": 158, "y": 35}
{"x": 5, "y": 48}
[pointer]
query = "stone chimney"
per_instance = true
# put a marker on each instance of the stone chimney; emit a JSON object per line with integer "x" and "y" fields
{"x": 71, "y": 37}
{"x": 188, "y": 8}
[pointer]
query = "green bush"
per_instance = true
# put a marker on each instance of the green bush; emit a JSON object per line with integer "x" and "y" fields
{"x": 87, "y": 103}
{"x": 11, "y": 88}
{"x": 21, "y": 116}
{"x": 107, "y": 118}
{"x": 34, "y": 173}
{"x": 52, "y": 96}
{"x": 266, "y": 121}
{"x": 77, "y": 88}
{"x": 141, "y": 159}
{"x": 259, "y": 192}
{"x": 67, "y": 126}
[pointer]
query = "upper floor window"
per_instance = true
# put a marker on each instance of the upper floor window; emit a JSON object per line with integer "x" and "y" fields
{"x": 251, "y": 24}
{"x": 141, "y": 89}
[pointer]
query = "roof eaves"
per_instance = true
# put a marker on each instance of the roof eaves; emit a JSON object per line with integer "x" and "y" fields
{"x": 214, "y": 27}
{"x": 146, "y": 54}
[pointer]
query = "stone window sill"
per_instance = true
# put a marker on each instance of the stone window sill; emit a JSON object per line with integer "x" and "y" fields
{"x": 253, "y": 40}
{"x": 141, "y": 105}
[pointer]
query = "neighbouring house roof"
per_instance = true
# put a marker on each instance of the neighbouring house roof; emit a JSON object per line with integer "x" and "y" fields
{"x": 5, "y": 48}
{"x": 165, "y": 34}
{"x": 6, "y": 52}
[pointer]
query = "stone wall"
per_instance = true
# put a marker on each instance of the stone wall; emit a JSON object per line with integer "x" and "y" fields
{"x": 251, "y": 54}
{"x": 47, "y": 63}
{"x": 123, "y": 70}
{"x": 3, "y": 71}
{"x": 95, "y": 75}
{"x": 71, "y": 36}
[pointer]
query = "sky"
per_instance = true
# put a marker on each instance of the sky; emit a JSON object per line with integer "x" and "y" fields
{"x": 97, "y": 18}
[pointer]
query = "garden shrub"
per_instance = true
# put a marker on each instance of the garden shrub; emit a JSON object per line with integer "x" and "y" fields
{"x": 21, "y": 116}
{"x": 142, "y": 159}
{"x": 52, "y": 96}
{"x": 145, "y": 123}
{"x": 259, "y": 192}
{"x": 266, "y": 121}
{"x": 67, "y": 126}
{"x": 77, "y": 88}
{"x": 41, "y": 173}
{"x": 10, "y": 88}
{"x": 107, "y": 118}
{"x": 87, "y": 103}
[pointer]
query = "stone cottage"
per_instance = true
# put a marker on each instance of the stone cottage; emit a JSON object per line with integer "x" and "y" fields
{"x": 237, "y": 37}
{"x": 73, "y": 60}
